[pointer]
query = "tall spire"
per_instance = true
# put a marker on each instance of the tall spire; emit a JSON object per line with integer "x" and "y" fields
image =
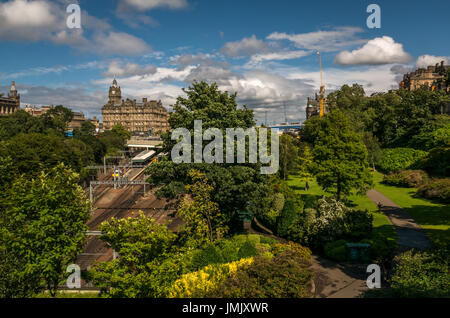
{"x": 13, "y": 90}
{"x": 13, "y": 86}
{"x": 114, "y": 82}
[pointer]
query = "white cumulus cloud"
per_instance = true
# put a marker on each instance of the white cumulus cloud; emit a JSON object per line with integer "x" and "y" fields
{"x": 427, "y": 60}
{"x": 378, "y": 51}
{"x": 129, "y": 69}
{"x": 245, "y": 47}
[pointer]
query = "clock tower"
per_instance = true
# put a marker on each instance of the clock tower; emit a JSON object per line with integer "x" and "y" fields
{"x": 115, "y": 95}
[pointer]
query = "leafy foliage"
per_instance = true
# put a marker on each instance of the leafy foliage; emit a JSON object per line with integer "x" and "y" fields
{"x": 288, "y": 156}
{"x": 438, "y": 189}
{"x": 406, "y": 178}
{"x": 202, "y": 217}
{"x": 236, "y": 186}
{"x": 421, "y": 274}
{"x": 340, "y": 157}
{"x": 396, "y": 159}
{"x": 147, "y": 263}
{"x": 42, "y": 230}
{"x": 285, "y": 275}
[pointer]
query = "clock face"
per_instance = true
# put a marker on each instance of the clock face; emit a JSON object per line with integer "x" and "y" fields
{"x": 113, "y": 92}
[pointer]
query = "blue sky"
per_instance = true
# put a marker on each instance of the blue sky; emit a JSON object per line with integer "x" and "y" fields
{"x": 264, "y": 50}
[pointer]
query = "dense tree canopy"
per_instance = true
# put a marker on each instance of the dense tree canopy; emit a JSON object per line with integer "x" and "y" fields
{"x": 340, "y": 157}
{"x": 236, "y": 186}
{"x": 42, "y": 224}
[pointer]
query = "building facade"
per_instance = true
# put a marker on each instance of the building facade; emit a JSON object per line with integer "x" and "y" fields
{"x": 137, "y": 117}
{"x": 433, "y": 77}
{"x": 77, "y": 120}
{"x": 313, "y": 106}
{"x": 10, "y": 104}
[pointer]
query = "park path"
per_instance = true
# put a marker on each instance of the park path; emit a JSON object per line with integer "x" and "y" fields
{"x": 409, "y": 234}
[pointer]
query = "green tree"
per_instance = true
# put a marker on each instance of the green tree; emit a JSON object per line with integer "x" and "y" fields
{"x": 32, "y": 153}
{"x": 147, "y": 264}
{"x": 42, "y": 224}
{"x": 288, "y": 156}
{"x": 202, "y": 217}
{"x": 374, "y": 151}
{"x": 340, "y": 157}
{"x": 18, "y": 123}
{"x": 57, "y": 118}
{"x": 305, "y": 161}
{"x": 119, "y": 130}
{"x": 235, "y": 185}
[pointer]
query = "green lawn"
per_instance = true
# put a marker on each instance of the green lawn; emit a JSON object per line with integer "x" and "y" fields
{"x": 382, "y": 227}
{"x": 70, "y": 294}
{"x": 433, "y": 217}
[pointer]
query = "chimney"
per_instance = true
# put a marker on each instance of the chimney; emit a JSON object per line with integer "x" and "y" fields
{"x": 442, "y": 63}
{"x": 144, "y": 100}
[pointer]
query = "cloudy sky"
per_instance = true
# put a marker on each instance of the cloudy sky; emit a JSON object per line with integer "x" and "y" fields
{"x": 264, "y": 50}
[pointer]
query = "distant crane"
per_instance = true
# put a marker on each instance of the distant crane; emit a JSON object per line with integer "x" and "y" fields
{"x": 322, "y": 86}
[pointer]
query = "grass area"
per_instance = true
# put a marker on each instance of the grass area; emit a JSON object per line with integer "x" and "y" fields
{"x": 382, "y": 227}
{"x": 70, "y": 294}
{"x": 433, "y": 217}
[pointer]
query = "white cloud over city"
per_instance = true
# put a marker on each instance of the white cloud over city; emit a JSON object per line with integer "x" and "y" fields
{"x": 383, "y": 50}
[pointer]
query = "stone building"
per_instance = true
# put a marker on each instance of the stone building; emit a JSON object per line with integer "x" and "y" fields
{"x": 433, "y": 77}
{"x": 37, "y": 111}
{"x": 77, "y": 120}
{"x": 10, "y": 104}
{"x": 313, "y": 106}
{"x": 137, "y": 117}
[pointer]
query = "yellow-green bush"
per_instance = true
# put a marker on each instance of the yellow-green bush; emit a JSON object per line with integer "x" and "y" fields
{"x": 197, "y": 284}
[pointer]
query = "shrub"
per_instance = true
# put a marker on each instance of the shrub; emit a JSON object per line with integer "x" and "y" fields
{"x": 200, "y": 283}
{"x": 207, "y": 256}
{"x": 286, "y": 218}
{"x": 336, "y": 221}
{"x": 380, "y": 248}
{"x": 438, "y": 189}
{"x": 395, "y": 159}
{"x": 286, "y": 275}
{"x": 406, "y": 178}
{"x": 229, "y": 250}
{"x": 437, "y": 162}
{"x": 247, "y": 250}
{"x": 268, "y": 240}
{"x": 278, "y": 202}
{"x": 300, "y": 251}
{"x": 421, "y": 274}
{"x": 336, "y": 250}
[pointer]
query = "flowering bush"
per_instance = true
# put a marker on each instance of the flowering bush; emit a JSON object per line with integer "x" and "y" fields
{"x": 198, "y": 284}
{"x": 285, "y": 275}
{"x": 334, "y": 221}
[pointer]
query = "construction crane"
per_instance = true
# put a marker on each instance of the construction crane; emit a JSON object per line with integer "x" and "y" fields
{"x": 322, "y": 86}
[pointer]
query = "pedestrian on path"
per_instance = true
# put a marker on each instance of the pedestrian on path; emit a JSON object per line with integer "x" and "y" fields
{"x": 379, "y": 206}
